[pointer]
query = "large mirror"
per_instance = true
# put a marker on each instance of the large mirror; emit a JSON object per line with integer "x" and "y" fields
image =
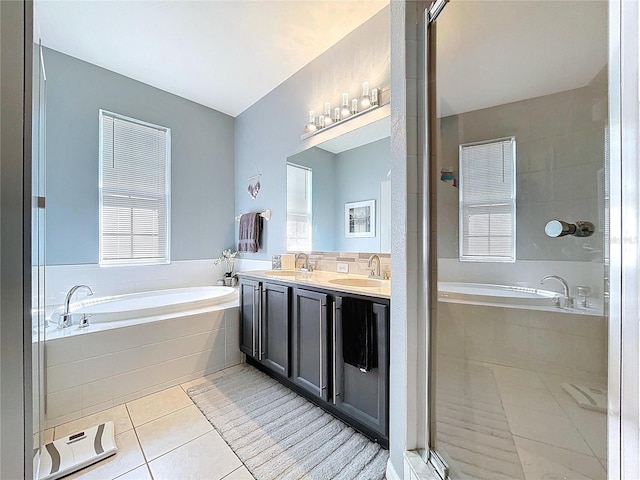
{"x": 339, "y": 194}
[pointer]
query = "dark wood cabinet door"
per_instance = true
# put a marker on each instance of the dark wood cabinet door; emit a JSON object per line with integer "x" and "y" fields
{"x": 274, "y": 328}
{"x": 363, "y": 396}
{"x": 249, "y": 303}
{"x": 310, "y": 342}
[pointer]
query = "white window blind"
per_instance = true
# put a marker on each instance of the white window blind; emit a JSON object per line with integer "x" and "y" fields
{"x": 299, "y": 214}
{"x": 134, "y": 191}
{"x": 488, "y": 201}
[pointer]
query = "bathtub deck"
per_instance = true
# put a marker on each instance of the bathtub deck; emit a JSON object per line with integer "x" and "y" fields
{"x": 164, "y": 435}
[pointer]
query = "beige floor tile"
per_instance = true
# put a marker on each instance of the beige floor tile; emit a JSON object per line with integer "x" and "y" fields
{"x": 545, "y": 461}
{"x": 171, "y": 431}
{"x": 240, "y": 474}
{"x": 140, "y": 473}
{"x": 546, "y": 428}
{"x": 205, "y": 458}
{"x": 128, "y": 457}
{"x": 47, "y": 436}
{"x": 154, "y": 406}
{"x": 118, "y": 415}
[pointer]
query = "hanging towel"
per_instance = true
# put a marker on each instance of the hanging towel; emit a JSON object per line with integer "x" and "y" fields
{"x": 249, "y": 232}
{"x": 359, "y": 338}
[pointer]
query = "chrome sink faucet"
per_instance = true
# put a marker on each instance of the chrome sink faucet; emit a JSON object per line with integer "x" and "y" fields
{"x": 375, "y": 273}
{"x": 305, "y": 266}
{"x": 567, "y": 300}
{"x": 65, "y": 316}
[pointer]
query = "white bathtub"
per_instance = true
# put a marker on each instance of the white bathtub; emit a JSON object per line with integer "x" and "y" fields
{"x": 137, "y": 344}
{"x": 148, "y": 304}
{"x": 495, "y": 293}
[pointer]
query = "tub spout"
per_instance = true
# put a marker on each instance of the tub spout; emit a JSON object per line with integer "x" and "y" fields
{"x": 65, "y": 316}
{"x": 568, "y": 301}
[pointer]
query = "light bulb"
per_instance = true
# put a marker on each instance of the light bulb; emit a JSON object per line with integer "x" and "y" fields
{"x": 365, "y": 100}
{"x": 345, "y": 111}
{"x": 311, "y": 126}
{"x": 354, "y": 106}
{"x": 327, "y": 114}
{"x": 320, "y": 121}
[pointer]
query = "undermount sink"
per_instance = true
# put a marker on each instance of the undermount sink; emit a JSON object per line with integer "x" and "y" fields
{"x": 283, "y": 273}
{"x": 357, "y": 282}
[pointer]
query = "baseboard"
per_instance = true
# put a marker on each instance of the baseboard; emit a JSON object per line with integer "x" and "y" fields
{"x": 416, "y": 469}
{"x": 391, "y": 473}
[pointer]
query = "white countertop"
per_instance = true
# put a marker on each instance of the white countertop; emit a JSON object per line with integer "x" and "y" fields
{"x": 323, "y": 279}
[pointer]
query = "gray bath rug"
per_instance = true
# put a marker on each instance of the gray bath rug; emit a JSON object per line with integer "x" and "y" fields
{"x": 280, "y": 435}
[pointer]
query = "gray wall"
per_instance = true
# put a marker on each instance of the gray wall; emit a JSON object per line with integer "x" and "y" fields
{"x": 15, "y": 293}
{"x": 202, "y": 168}
{"x": 359, "y": 172}
{"x": 559, "y": 150}
{"x": 269, "y": 131}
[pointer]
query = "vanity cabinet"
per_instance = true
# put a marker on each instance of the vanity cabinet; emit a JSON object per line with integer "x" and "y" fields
{"x": 309, "y": 342}
{"x": 264, "y": 329}
{"x": 361, "y": 395}
{"x": 295, "y": 334}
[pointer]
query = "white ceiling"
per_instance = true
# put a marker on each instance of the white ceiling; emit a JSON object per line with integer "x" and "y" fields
{"x": 495, "y": 52}
{"x": 225, "y": 54}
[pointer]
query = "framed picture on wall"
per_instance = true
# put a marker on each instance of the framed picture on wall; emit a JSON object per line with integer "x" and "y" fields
{"x": 360, "y": 219}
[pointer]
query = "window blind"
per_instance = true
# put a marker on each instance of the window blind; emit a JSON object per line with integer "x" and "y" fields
{"x": 134, "y": 191}
{"x": 299, "y": 208}
{"x": 488, "y": 201}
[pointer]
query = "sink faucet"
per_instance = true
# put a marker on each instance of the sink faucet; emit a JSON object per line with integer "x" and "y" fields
{"x": 65, "y": 316}
{"x": 568, "y": 301}
{"x": 375, "y": 273}
{"x": 305, "y": 265}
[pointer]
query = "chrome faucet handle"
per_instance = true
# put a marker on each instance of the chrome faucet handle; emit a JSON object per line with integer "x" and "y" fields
{"x": 583, "y": 294}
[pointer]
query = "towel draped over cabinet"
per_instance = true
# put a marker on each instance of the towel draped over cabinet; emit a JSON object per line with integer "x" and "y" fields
{"x": 359, "y": 336}
{"x": 249, "y": 232}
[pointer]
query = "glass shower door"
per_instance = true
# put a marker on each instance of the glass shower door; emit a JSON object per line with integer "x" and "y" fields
{"x": 518, "y": 140}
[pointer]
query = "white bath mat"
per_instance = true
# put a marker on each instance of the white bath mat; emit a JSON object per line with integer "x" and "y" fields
{"x": 588, "y": 397}
{"x": 68, "y": 454}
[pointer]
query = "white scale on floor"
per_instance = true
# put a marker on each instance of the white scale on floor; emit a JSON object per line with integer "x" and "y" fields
{"x": 79, "y": 450}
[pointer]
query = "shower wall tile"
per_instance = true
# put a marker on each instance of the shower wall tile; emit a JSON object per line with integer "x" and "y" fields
{"x": 560, "y": 148}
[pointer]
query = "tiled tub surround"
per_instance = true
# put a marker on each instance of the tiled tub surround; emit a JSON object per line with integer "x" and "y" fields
{"x": 95, "y": 370}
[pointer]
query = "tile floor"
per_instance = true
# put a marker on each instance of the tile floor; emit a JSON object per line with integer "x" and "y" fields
{"x": 161, "y": 436}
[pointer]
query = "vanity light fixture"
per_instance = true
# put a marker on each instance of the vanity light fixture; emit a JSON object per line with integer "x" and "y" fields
{"x": 347, "y": 110}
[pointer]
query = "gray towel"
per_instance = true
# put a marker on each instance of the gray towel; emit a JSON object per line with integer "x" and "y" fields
{"x": 249, "y": 232}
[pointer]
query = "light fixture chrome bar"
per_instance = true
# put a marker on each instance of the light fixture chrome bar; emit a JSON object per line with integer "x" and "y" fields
{"x": 435, "y": 9}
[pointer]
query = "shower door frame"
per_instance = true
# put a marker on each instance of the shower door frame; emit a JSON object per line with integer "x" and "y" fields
{"x": 623, "y": 417}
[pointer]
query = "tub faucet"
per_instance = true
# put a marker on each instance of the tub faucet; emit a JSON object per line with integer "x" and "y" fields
{"x": 65, "y": 316}
{"x": 568, "y": 301}
{"x": 375, "y": 273}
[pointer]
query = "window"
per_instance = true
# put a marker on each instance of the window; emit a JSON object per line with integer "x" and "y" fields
{"x": 488, "y": 201}
{"x": 134, "y": 191}
{"x": 298, "y": 208}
